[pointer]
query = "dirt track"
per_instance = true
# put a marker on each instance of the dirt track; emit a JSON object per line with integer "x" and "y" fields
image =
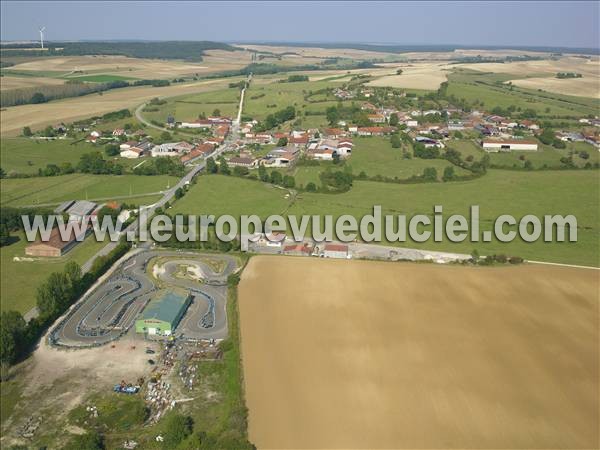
{"x": 354, "y": 354}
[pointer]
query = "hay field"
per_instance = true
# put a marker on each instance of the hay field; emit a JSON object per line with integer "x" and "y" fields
{"x": 544, "y": 72}
{"x": 357, "y": 354}
{"x": 214, "y": 61}
{"x": 415, "y": 76}
{"x": 10, "y": 82}
{"x": 38, "y": 116}
{"x": 581, "y": 87}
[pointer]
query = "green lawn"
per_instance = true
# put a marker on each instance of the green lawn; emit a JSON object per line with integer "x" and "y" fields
{"x": 466, "y": 147}
{"x": 188, "y": 107}
{"x": 11, "y": 391}
{"x": 20, "y": 279}
{"x": 217, "y": 194}
{"x": 376, "y": 156}
{"x": 498, "y": 192}
{"x": 54, "y": 190}
{"x": 26, "y": 155}
{"x": 546, "y": 156}
{"x": 264, "y": 99}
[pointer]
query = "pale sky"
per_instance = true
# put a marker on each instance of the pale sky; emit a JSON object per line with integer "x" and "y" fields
{"x": 511, "y": 23}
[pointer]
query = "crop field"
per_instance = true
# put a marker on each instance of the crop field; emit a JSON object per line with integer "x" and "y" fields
{"x": 20, "y": 277}
{"x": 188, "y": 107}
{"x": 14, "y": 82}
{"x": 214, "y": 61}
{"x": 539, "y": 193}
{"x": 38, "y": 116}
{"x": 587, "y": 86}
{"x": 389, "y": 355}
{"x": 315, "y": 52}
{"x": 54, "y": 190}
{"x": 427, "y": 76}
{"x": 25, "y": 155}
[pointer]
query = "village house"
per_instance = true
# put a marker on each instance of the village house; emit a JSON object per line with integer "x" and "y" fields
{"x": 592, "y": 139}
{"x": 455, "y": 125}
{"x": 376, "y": 118}
{"x": 528, "y": 124}
{"x": 374, "y": 131}
{"x": 569, "y": 136}
{"x": 366, "y": 106}
{"x": 280, "y": 157}
{"x": 429, "y": 142}
{"x": 93, "y": 137}
{"x": 301, "y": 249}
{"x": 138, "y": 150}
{"x": 183, "y": 147}
{"x": 242, "y": 162}
{"x": 325, "y": 154}
{"x": 259, "y": 138}
{"x": 198, "y": 123}
{"x": 200, "y": 151}
{"x": 221, "y": 130}
{"x": 127, "y": 145}
{"x": 117, "y": 132}
{"x": 334, "y": 133}
{"x": 166, "y": 149}
{"x": 215, "y": 140}
{"x": 336, "y": 251}
{"x": 217, "y": 120}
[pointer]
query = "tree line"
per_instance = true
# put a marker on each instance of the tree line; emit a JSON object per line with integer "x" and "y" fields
{"x": 54, "y": 296}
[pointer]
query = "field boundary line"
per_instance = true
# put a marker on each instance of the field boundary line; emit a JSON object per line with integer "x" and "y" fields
{"x": 575, "y": 266}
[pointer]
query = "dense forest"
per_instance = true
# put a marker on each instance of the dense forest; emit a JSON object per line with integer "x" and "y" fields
{"x": 187, "y": 50}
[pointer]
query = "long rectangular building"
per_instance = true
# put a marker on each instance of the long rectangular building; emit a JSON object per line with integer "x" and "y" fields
{"x": 496, "y": 145}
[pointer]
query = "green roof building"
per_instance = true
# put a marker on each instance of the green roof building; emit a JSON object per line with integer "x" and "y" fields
{"x": 163, "y": 313}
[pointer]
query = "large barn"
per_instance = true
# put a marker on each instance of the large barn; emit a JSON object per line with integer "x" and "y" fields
{"x": 55, "y": 246}
{"x": 509, "y": 145}
{"x": 163, "y": 313}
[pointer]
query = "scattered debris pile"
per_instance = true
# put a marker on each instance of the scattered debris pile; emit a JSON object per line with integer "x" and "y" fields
{"x": 30, "y": 427}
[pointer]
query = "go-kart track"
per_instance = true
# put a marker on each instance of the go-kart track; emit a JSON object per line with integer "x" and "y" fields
{"x": 110, "y": 310}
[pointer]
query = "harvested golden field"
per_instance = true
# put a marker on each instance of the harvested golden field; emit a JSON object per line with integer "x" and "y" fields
{"x": 359, "y": 354}
{"x": 316, "y": 52}
{"x": 543, "y": 74}
{"x": 415, "y": 76}
{"x": 214, "y": 61}
{"x": 582, "y": 87}
{"x": 10, "y": 82}
{"x": 38, "y": 116}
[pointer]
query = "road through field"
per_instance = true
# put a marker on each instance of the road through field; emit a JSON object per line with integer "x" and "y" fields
{"x": 360, "y": 354}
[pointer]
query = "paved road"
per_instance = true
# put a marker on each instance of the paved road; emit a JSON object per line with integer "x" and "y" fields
{"x": 110, "y": 310}
{"x": 170, "y": 193}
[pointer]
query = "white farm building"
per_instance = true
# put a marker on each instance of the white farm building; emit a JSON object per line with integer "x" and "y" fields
{"x": 509, "y": 145}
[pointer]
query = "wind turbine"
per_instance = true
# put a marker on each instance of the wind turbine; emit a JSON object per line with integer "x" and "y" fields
{"x": 42, "y": 37}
